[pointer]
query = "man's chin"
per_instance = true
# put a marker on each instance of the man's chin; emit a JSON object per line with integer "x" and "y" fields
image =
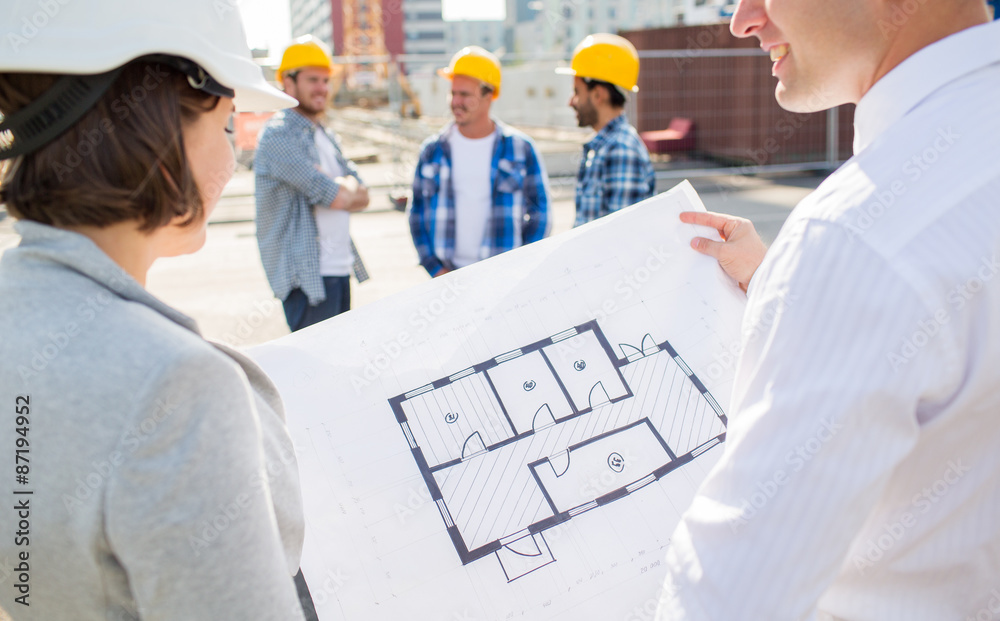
{"x": 312, "y": 109}
{"x": 803, "y": 101}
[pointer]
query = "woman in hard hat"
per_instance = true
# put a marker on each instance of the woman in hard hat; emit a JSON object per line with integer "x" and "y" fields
{"x": 155, "y": 478}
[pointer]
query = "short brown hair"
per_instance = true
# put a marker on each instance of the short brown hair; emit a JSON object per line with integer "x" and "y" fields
{"x": 123, "y": 160}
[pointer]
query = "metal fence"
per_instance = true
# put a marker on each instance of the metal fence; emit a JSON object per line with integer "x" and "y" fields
{"x": 727, "y": 95}
{"x": 724, "y": 86}
{"x": 721, "y": 87}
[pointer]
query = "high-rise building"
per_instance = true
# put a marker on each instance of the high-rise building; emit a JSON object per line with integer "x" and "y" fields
{"x": 379, "y": 20}
{"x": 425, "y": 32}
{"x": 313, "y": 17}
{"x": 485, "y": 34}
{"x": 555, "y": 26}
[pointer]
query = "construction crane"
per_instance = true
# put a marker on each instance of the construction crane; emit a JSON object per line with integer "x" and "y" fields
{"x": 370, "y": 76}
{"x": 364, "y": 37}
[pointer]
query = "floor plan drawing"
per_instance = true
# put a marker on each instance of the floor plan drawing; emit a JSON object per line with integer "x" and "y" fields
{"x": 531, "y": 438}
{"x": 519, "y": 439}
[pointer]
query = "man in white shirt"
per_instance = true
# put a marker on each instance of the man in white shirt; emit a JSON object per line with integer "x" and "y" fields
{"x": 306, "y": 191}
{"x": 861, "y": 475}
{"x": 480, "y": 187}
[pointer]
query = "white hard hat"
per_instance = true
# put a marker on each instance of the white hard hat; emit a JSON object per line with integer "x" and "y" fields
{"x": 96, "y": 36}
{"x": 90, "y": 42}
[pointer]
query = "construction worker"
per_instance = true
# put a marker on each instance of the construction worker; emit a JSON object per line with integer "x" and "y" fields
{"x": 480, "y": 188}
{"x": 306, "y": 191}
{"x": 615, "y": 171}
{"x": 156, "y": 478}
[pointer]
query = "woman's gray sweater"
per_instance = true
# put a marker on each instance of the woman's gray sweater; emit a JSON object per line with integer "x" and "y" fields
{"x": 161, "y": 482}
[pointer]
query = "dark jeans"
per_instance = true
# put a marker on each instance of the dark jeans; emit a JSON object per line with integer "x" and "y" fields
{"x": 299, "y": 314}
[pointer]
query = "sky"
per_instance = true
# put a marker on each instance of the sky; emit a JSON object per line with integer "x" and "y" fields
{"x": 267, "y": 20}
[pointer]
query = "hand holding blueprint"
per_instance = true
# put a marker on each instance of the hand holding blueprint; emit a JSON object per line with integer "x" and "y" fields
{"x": 516, "y": 439}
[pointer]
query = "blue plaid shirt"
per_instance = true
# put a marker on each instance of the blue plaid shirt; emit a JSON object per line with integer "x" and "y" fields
{"x": 615, "y": 172}
{"x": 288, "y": 184}
{"x": 520, "y": 198}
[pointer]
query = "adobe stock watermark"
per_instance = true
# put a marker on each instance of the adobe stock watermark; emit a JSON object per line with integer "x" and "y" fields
{"x": 786, "y": 127}
{"x": 562, "y": 12}
{"x": 248, "y": 325}
{"x": 991, "y": 611}
{"x": 884, "y": 198}
{"x": 419, "y": 320}
{"x": 416, "y": 498}
{"x": 31, "y": 25}
{"x": 419, "y": 496}
{"x": 326, "y": 588}
{"x": 401, "y": 174}
{"x": 703, "y": 40}
{"x": 230, "y": 512}
{"x": 726, "y": 359}
{"x": 133, "y": 437}
{"x": 665, "y": 596}
{"x": 58, "y": 340}
{"x": 7, "y": 569}
{"x": 901, "y": 12}
{"x": 610, "y": 478}
{"x": 631, "y": 283}
{"x": 957, "y": 298}
{"x": 122, "y": 106}
{"x": 921, "y": 503}
{"x": 614, "y": 476}
{"x": 224, "y": 7}
{"x": 796, "y": 459}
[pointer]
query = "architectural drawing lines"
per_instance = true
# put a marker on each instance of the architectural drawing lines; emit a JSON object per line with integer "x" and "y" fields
{"x": 517, "y": 444}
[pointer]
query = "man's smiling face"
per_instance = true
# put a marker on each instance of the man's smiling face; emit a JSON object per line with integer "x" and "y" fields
{"x": 825, "y": 53}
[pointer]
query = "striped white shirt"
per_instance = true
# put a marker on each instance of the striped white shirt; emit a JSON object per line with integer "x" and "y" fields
{"x": 861, "y": 475}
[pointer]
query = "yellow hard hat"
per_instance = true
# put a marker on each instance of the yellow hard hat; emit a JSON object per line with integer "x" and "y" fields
{"x": 475, "y": 62}
{"x": 307, "y": 51}
{"x": 608, "y": 58}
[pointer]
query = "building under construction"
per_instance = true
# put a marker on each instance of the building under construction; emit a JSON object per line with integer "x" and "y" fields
{"x": 366, "y": 37}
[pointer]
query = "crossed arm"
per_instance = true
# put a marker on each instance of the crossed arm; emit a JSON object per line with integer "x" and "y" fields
{"x": 353, "y": 195}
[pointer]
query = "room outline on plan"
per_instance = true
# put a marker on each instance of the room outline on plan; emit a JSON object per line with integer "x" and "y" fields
{"x": 531, "y": 438}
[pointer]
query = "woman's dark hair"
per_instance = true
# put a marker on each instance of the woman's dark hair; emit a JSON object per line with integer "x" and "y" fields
{"x": 124, "y": 160}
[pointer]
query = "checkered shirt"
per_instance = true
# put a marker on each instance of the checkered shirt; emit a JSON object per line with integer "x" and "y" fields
{"x": 615, "y": 172}
{"x": 289, "y": 183}
{"x": 519, "y": 214}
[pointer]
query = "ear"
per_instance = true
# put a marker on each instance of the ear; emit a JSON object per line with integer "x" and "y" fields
{"x": 599, "y": 96}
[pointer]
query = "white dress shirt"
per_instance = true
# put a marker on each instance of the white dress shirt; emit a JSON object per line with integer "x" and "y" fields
{"x": 861, "y": 475}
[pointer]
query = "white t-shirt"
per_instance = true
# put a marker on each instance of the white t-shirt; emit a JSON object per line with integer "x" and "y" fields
{"x": 470, "y": 174}
{"x": 335, "y": 257}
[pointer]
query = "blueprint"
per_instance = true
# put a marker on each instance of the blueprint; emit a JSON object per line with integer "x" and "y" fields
{"x": 516, "y": 439}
